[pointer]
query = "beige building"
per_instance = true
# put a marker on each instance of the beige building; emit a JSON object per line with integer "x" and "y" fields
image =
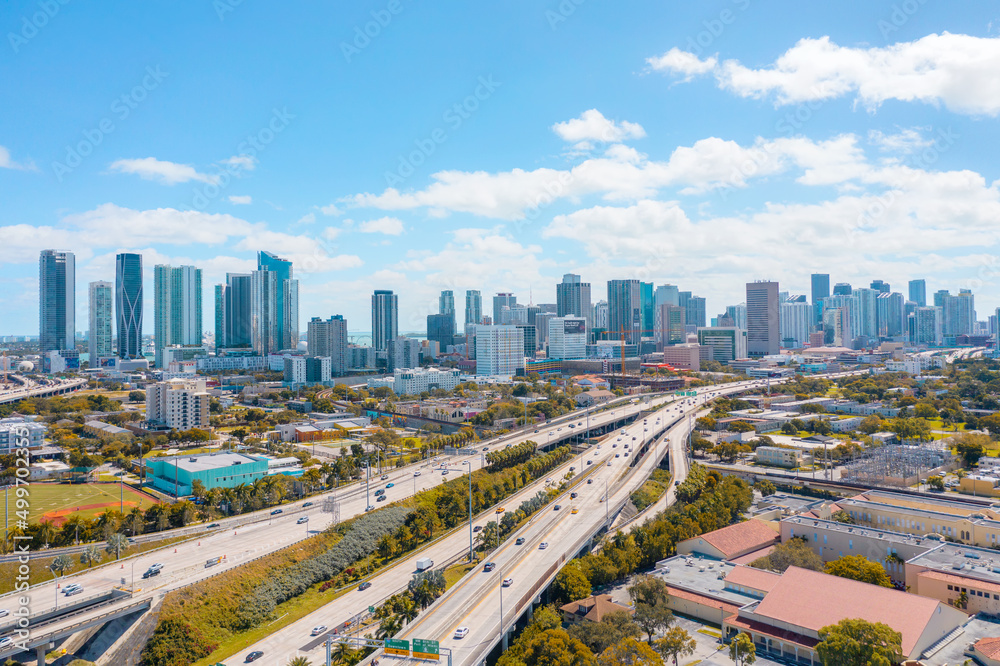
{"x": 980, "y": 485}
{"x": 958, "y": 575}
{"x": 179, "y": 404}
{"x": 778, "y": 456}
{"x": 732, "y": 541}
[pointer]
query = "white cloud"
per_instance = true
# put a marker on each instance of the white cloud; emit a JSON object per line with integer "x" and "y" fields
{"x": 593, "y": 126}
{"x": 308, "y": 218}
{"x": 245, "y": 162}
{"x": 688, "y": 65}
{"x": 390, "y": 226}
{"x": 331, "y": 210}
{"x": 6, "y": 162}
{"x": 956, "y": 71}
{"x": 240, "y": 200}
{"x": 905, "y": 141}
{"x": 168, "y": 173}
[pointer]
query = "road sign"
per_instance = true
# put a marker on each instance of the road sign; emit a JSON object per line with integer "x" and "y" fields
{"x": 371, "y": 609}
{"x": 426, "y": 649}
{"x": 397, "y": 647}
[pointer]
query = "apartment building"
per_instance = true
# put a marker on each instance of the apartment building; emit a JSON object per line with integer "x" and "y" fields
{"x": 179, "y": 404}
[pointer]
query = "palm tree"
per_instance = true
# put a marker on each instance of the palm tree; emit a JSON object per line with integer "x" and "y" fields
{"x": 60, "y": 564}
{"x": 346, "y": 655}
{"x": 389, "y": 627}
{"x": 299, "y": 661}
{"x": 46, "y": 532}
{"x": 117, "y": 542}
{"x": 90, "y": 555}
{"x": 136, "y": 520}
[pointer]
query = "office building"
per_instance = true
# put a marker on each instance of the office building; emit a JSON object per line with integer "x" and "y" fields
{"x": 842, "y": 289}
{"x": 441, "y": 329}
{"x": 666, "y": 294}
{"x": 864, "y": 320}
{"x": 473, "y": 307}
{"x": 514, "y": 315}
{"x": 918, "y": 292}
{"x": 500, "y": 301}
{"x": 101, "y": 309}
{"x": 695, "y": 311}
{"x": 728, "y": 343}
{"x": 56, "y": 300}
{"x": 128, "y": 304}
{"x": 233, "y": 309}
{"x": 926, "y": 326}
{"x": 737, "y": 314}
{"x": 329, "y": 339}
{"x": 499, "y": 350}
{"x": 178, "y": 404}
{"x": 176, "y": 308}
{"x": 890, "y": 315}
{"x": 274, "y": 316}
{"x": 567, "y": 338}
{"x": 763, "y": 319}
{"x": 573, "y": 298}
{"x": 385, "y": 319}
{"x": 403, "y": 353}
{"x": 683, "y": 357}
{"x": 530, "y": 336}
{"x": 601, "y": 314}
{"x": 542, "y": 320}
{"x": 625, "y": 310}
{"x": 836, "y": 327}
{"x": 446, "y": 303}
{"x": 673, "y": 322}
{"x": 820, "y": 283}
{"x": 796, "y": 322}
{"x": 647, "y": 308}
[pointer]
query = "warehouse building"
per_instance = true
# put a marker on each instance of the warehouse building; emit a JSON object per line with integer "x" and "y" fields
{"x": 215, "y": 470}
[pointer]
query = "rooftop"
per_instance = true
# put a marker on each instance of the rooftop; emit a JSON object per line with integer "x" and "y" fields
{"x": 737, "y": 539}
{"x": 808, "y": 522}
{"x": 702, "y": 576}
{"x": 966, "y": 561}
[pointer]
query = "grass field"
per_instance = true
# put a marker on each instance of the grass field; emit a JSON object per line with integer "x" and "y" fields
{"x": 58, "y": 501}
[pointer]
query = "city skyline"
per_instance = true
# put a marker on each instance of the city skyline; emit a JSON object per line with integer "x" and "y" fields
{"x": 519, "y": 187}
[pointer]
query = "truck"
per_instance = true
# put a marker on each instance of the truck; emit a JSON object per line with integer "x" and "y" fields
{"x": 424, "y": 563}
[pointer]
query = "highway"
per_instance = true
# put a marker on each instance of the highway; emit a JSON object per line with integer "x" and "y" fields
{"x": 31, "y": 389}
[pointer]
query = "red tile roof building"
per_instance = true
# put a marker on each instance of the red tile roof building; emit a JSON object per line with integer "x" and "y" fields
{"x": 732, "y": 541}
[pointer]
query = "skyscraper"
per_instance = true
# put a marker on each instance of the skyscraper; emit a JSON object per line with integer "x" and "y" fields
{"x": 695, "y": 315}
{"x": 500, "y": 301}
{"x": 385, "y": 319}
{"x": 648, "y": 308}
{"x": 795, "y": 324}
{"x": 624, "y": 310}
{"x": 763, "y": 328}
{"x": 473, "y": 307}
{"x": 673, "y": 319}
{"x": 820, "y": 286}
{"x": 864, "y": 321}
{"x": 441, "y": 329}
{"x": 101, "y": 309}
{"x": 918, "y": 292}
{"x": 233, "y": 312}
{"x": 890, "y": 315}
{"x": 274, "y": 306}
{"x": 128, "y": 304}
{"x": 56, "y": 300}
{"x": 881, "y": 286}
{"x": 328, "y": 339}
{"x": 176, "y": 307}
{"x": 842, "y": 289}
{"x": 573, "y": 298}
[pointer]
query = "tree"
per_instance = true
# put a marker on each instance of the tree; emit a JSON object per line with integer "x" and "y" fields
{"x": 198, "y": 488}
{"x": 90, "y": 555}
{"x": 843, "y": 517}
{"x": 705, "y": 423}
{"x": 677, "y": 642}
{"x": 742, "y": 650}
{"x": 765, "y": 488}
{"x": 860, "y": 568}
{"x": 740, "y": 426}
{"x": 299, "y": 661}
{"x": 972, "y": 447}
{"x": 652, "y": 614}
{"x": 389, "y": 627}
{"x": 936, "y": 482}
{"x": 794, "y": 552}
{"x": 555, "y": 647}
{"x": 613, "y": 628}
{"x": 571, "y": 584}
{"x": 116, "y": 543}
{"x": 788, "y": 429}
{"x": 629, "y": 652}
{"x": 60, "y": 564}
{"x": 136, "y": 396}
{"x": 858, "y": 642}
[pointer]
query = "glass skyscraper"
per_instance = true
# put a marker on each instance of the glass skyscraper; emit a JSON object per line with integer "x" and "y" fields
{"x": 56, "y": 300}
{"x": 101, "y": 313}
{"x": 128, "y": 304}
{"x": 177, "y": 307}
{"x": 385, "y": 319}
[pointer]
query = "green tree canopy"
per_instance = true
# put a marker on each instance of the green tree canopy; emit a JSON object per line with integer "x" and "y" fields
{"x": 860, "y": 568}
{"x": 794, "y": 552}
{"x": 858, "y": 643}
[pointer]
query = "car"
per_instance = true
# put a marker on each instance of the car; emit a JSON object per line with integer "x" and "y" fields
{"x": 575, "y": 510}
{"x": 572, "y": 469}
{"x": 369, "y": 507}
{"x": 156, "y": 566}
{"x": 536, "y": 430}
{"x": 381, "y": 498}
{"x": 71, "y": 587}
{"x": 572, "y": 495}
{"x": 307, "y": 504}
{"x": 318, "y": 630}
{"x": 589, "y": 481}
{"x": 558, "y": 429}
{"x": 614, "y": 446}
{"x": 444, "y": 472}
{"x": 208, "y": 527}
{"x": 303, "y": 519}
{"x": 590, "y": 462}
{"x": 557, "y": 507}
{"x": 76, "y": 590}
{"x": 150, "y": 573}
{"x": 519, "y": 541}
{"x": 385, "y": 476}
{"x": 507, "y": 582}
{"x": 619, "y": 439}
{"x": 486, "y": 448}
{"x": 618, "y": 455}
{"x": 543, "y": 545}
{"x": 379, "y": 492}
{"x": 461, "y": 632}
{"x": 390, "y": 485}
{"x": 489, "y": 566}
{"x": 634, "y": 438}
{"x": 254, "y": 656}
{"x": 609, "y": 463}
{"x": 417, "y": 473}
{"x": 4, "y": 612}
{"x": 6, "y": 642}
{"x": 571, "y": 425}
{"x": 477, "y": 528}
{"x": 276, "y": 512}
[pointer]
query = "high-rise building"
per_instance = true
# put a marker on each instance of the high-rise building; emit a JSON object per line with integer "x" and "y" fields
{"x": 573, "y": 298}
{"x": 128, "y": 304}
{"x": 567, "y": 338}
{"x": 499, "y": 350}
{"x": 846, "y": 321}
{"x": 820, "y": 286}
{"x": 403, "y": 354}
{"x": 441, "y": 329}
{"x": 176, "y": 308}
{"x": 842, "y": 289}
{"x": 446, "y": 303}
{"x": 891, "y": 315}
{"x": 328, "y": 339}
{"x": 738, "y": 314}
{"x": 101, "y": 311}
{"x": 796, "y": 322}
{"x": 56, "y": 300}
{"x": 601, "y": 313}
{"x": 274, "y": 317}
{"x": 647, "y": 307}
{"x": 728, "y": 343}
{"x": 836, "y": 331}
{"x": 473, "y": 307}
{"x": 624, "y": 310}
{"x": 881, "y": 286}
{"x": 180, "y": 404}
{"x": 918, "y": 292}
{"x": 318, "y": 369}
{"x": 673, "y": 319}
{"x": 385, "y": 319}
{"x": 530, "y": 336}
{"x": 695, "y": 315}
{"x": 925, "y": 326}
{"x": 763, "y": 319}
{"x": 865, "y": 322}
{"x": 233, "y": 312}
{"x": 295, "y": 370}
{"x": 500, "y": 301}
{"x": 542, "y": 320}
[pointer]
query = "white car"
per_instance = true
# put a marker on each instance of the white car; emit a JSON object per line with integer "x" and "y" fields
{"x": 417, "y": 473}
{"x": 507, "y": 582}
{"x": 461, "y": 632}
{"x": 4, "y": 612}
{"x": 5, "y": 642}
{"x": 543, "y": 545}
{"x": 318, "y": 630}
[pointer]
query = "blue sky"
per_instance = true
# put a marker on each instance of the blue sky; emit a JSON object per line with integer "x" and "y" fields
{"x": 496, "y": 146}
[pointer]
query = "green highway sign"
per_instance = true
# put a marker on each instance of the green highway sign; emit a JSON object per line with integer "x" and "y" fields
{"x": 397, "y": 647}
{"x": 371, "y": 609}
{"x": 426, "y": 649}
